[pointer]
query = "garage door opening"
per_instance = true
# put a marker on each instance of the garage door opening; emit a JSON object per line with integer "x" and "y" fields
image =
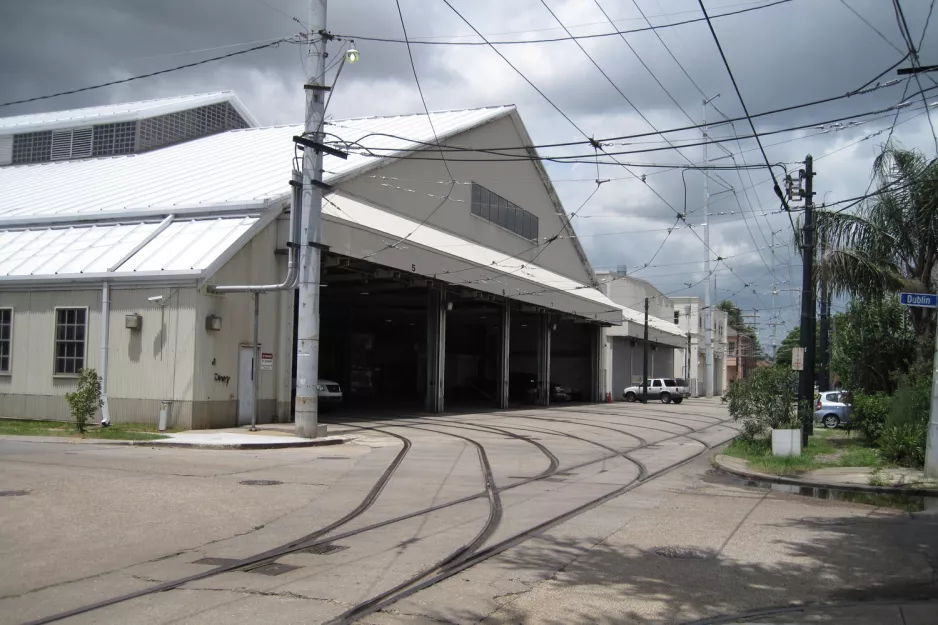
{"x": 572, "y": 369}
{"x": 473, "y": 344}
{"x": 373, "y": 332}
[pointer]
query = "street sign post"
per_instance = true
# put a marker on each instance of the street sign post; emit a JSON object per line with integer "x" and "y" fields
{"x": 919, "y": 300}
{"x": 926, "y": 300}
{"x": 797, "y": 359}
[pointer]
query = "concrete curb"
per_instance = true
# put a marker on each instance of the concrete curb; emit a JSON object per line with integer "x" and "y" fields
{"x": 717, "y": 463}
{"x": 331, "y": 440}
{"x": 291, "y": 445}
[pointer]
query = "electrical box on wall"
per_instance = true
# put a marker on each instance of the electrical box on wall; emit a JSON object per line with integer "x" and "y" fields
{"x": 133, "y": 322}
{"x": 213, "y": 323}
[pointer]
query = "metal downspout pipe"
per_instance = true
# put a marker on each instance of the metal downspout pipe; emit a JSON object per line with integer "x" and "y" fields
{"x": 288, "y": 284}
{"x": 105, "y": 331}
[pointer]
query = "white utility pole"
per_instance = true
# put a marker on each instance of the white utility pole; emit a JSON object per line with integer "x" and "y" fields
{"x": 774, "y": 293}
{"x": 708, "y": 336}
{"x": 307, "y": 355}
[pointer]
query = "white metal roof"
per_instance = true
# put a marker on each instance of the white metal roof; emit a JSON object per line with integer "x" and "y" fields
{"x": 181, "y": 247}
{"x": 460, "y": 261}
{"x": 122, "y": 112}
{"x": 247, "y": 167}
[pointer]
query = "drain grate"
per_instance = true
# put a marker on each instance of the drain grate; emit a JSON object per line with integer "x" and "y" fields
{"x": 323, "y": 550}
{"x": 332, "y": 458}
{"x": 216, "y": 561}
{"x": 553, "y": 479}
{"x": 260, "y": 482}
{"x": 273, "y": 569}
{"x": 13, "y": 493}
{"x": 683, "y": 553}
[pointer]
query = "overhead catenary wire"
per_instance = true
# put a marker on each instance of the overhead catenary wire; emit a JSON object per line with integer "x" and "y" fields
{"x": 913, "y": 55}
{"x": 603, "y": 143}
{"x": 609, "y": 141}
{"x": 726, "y": 63}
{"x": 575, "y": 126}
{"x": 436, "y": 140}
{"x": 616, "y": 33}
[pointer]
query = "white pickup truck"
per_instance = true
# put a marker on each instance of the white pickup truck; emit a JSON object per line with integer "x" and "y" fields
{"x": 665, "y": 389}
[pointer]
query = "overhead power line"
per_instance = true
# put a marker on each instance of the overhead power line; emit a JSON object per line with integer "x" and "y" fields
{"x": 610, "y": 140}
{"x": 615, "y": 33}
{"x": 272, "y": 44}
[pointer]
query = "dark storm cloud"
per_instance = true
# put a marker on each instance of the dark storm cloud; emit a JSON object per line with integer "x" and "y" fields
{"x": 788, "y": 54}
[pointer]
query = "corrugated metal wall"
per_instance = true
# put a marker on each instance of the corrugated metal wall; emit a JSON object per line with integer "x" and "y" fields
{"x": 216, "y": 376}
{"x": 145, "y": 366}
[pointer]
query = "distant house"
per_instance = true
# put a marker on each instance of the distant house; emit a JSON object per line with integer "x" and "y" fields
{"x": 690, "y": 316}
{"x": 741, "y": 358}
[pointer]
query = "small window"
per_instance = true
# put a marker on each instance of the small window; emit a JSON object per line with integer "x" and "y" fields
{"x": 656, "y": 383}
{"x": 669, "y": 382}
{"x": 70, "y": 333}
{"x": 6, "y": 339}
{"x": 677, "y": 316}
{"x": 500, "y": 211}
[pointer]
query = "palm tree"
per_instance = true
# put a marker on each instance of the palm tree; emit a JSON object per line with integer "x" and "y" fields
{"x": 890, "y": 244}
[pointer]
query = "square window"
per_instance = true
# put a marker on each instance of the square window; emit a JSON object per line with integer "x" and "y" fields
{"x": 70, "y": 333}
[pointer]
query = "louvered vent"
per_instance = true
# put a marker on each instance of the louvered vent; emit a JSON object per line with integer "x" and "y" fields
{"x": 81, "y": 142}
{"x": 72, "y": 143}
{"x": 61, "y": 144}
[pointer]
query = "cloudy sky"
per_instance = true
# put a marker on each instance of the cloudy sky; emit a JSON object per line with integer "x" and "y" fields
{"x": 788, "y": 54}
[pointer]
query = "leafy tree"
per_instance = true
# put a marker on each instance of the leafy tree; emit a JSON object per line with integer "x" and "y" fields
{"x": 793, "y": 340}
{"x": 784, "y": 351}
{"x": 873, "y": 343}
{"x": 891, "y": 243}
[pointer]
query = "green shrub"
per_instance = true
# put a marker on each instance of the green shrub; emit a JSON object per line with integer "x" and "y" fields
{"x": 870, "y": 413}
{"x": 904, "y": 444}
{"x": 86, "y": 399}
{"x": 906, "y": 426}
{"x": 764, "y": 401}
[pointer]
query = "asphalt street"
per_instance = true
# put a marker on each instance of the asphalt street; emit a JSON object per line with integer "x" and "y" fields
{"x": 603, "y": 513}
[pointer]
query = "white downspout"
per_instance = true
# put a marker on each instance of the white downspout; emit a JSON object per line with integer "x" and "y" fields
{"x": 105, "y": 327}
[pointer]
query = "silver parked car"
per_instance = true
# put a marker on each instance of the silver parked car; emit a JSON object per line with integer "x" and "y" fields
{"x": 833, "y": 408}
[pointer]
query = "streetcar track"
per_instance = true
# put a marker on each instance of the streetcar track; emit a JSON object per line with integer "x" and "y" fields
{"x": 257, "y": 559}
{"x": 318, "y": 537}
{"x": 521, "y": 537}
{"x": 454, "y": 558}
{"x": 553, "y": 461}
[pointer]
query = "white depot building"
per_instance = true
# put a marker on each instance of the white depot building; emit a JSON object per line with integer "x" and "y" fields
{"x": 116, "y": 221}
{"x": 690, "y": 315}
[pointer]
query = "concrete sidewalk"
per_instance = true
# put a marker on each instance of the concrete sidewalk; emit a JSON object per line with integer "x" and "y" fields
{"x": 267, "y": 436}
{"x": 895, "y": 480}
